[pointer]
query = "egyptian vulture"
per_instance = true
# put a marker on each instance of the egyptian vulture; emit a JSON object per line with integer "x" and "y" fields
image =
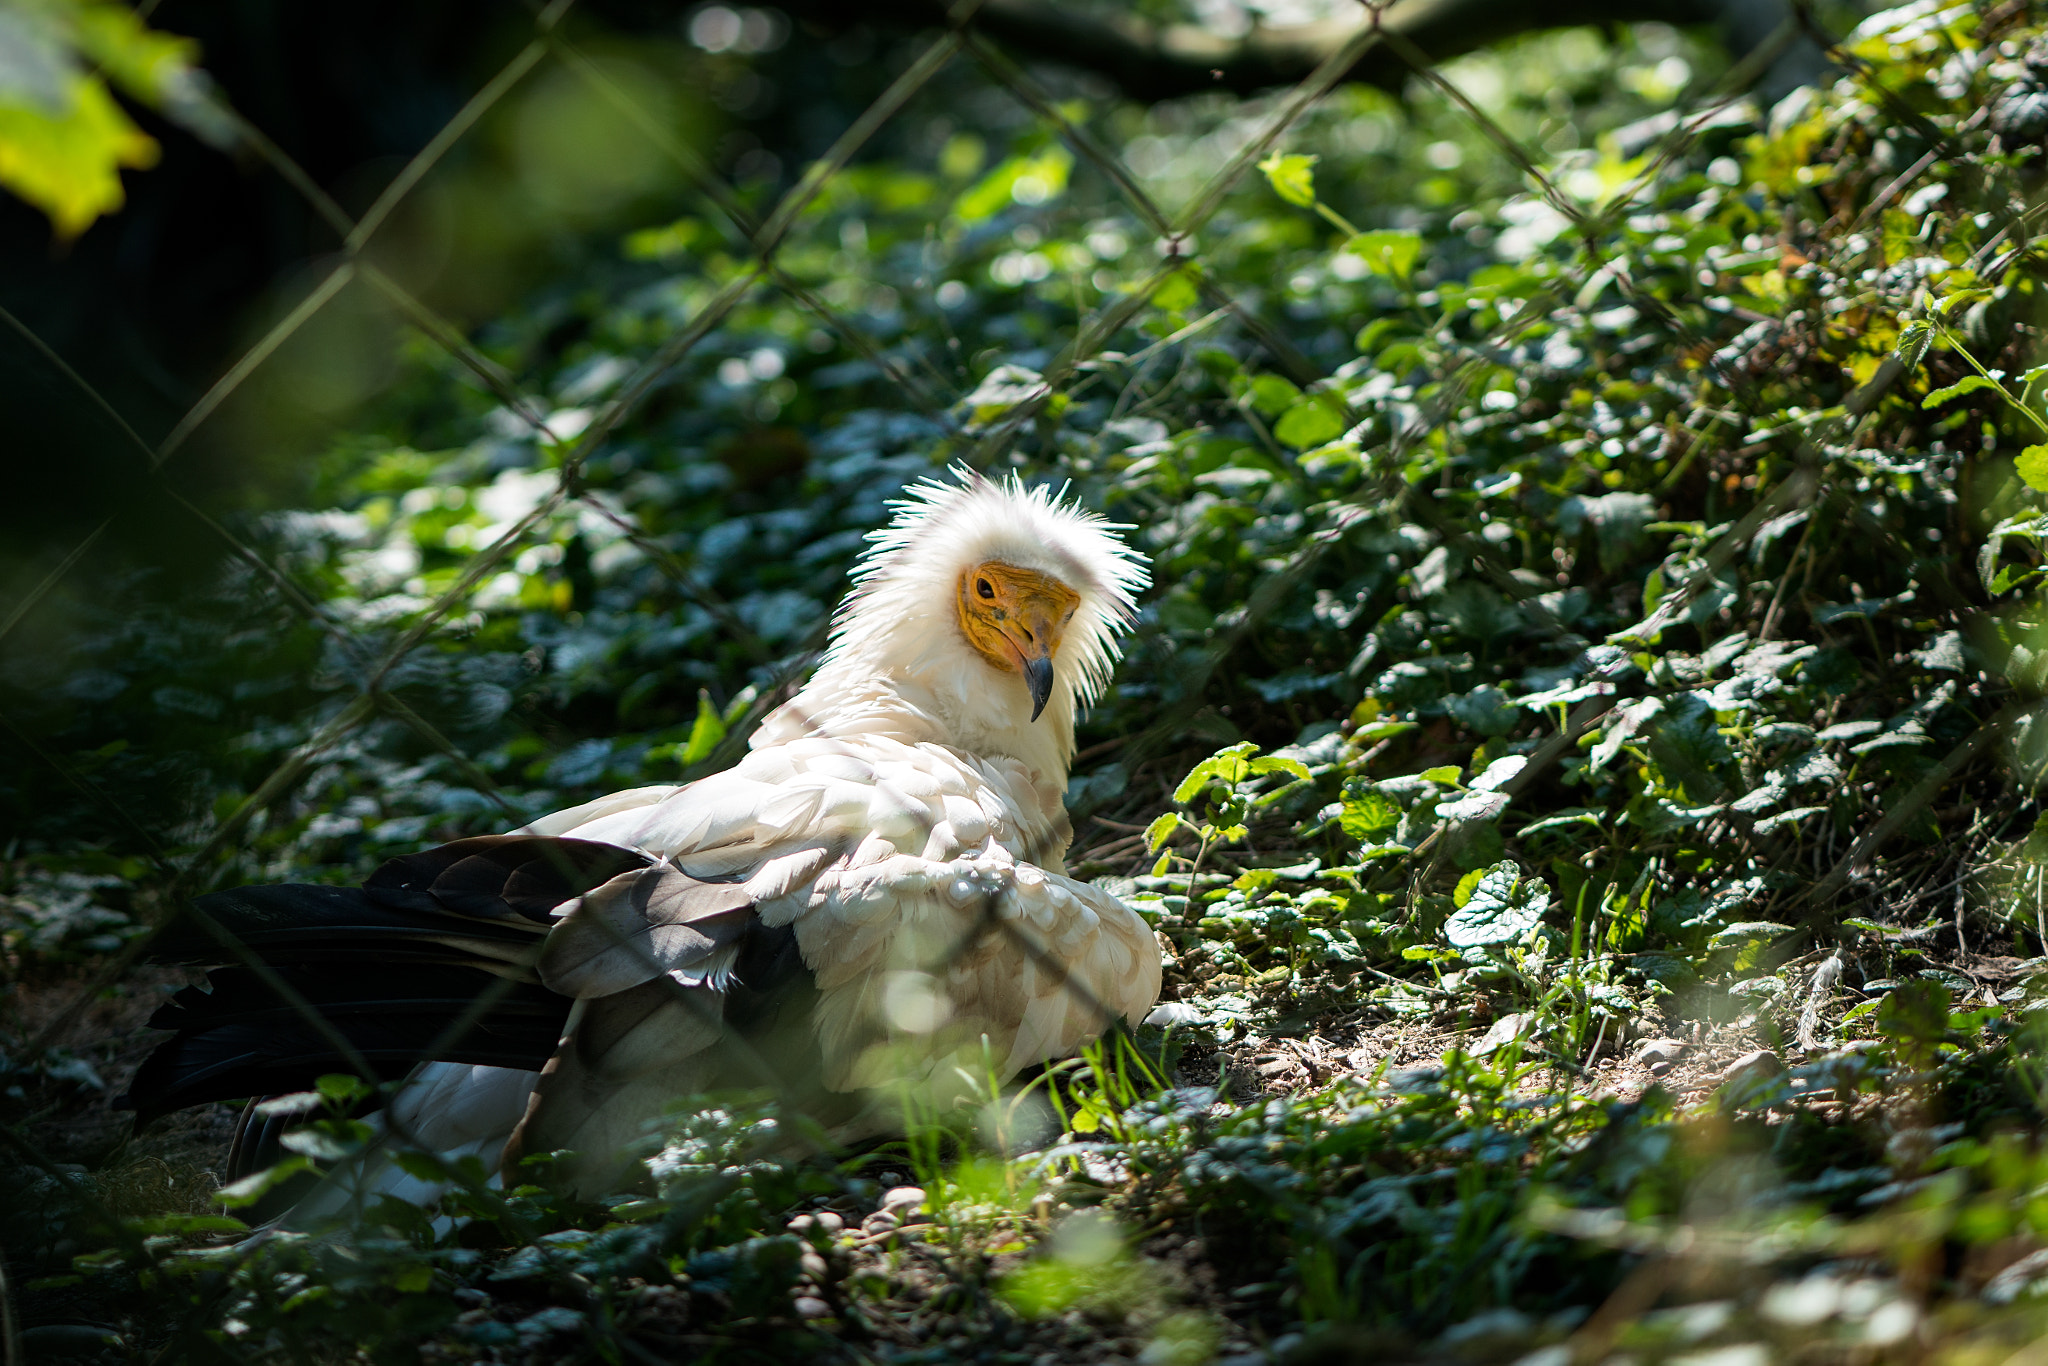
{"x": 873, "y": 899}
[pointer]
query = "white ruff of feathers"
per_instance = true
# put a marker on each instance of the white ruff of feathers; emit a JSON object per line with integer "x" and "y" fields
{"x": 899, "y": 663}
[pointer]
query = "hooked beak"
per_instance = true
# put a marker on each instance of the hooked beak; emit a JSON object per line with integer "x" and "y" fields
{"x": 1038, "y": 678}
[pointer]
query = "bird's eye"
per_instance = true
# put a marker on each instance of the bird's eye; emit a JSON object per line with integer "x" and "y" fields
{"x": 981, "y": 587}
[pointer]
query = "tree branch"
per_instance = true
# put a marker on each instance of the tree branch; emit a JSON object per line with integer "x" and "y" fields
{"x": 1161, "y": 61}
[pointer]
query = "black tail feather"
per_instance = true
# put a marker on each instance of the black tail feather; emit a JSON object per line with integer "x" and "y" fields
{"x": 243, "y": 1038}
{"x": 392, "y": 967}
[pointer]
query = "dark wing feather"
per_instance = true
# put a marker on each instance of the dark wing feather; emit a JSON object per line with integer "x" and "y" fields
{"x": 498, "y": 877}
{"x": 638, "y": 926}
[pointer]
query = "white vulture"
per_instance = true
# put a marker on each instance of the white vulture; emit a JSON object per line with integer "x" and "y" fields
{"x": 874, "y": 896}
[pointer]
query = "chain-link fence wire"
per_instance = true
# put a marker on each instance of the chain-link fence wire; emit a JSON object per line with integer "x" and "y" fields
{"x": 762, "y": 240}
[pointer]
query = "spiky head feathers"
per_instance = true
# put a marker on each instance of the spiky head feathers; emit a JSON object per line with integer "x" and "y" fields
{"x": 905, "y": 586}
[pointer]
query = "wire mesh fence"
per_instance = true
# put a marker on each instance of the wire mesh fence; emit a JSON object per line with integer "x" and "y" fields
{"x": 1098, "y": 345}
{"x": 761, "y": 240}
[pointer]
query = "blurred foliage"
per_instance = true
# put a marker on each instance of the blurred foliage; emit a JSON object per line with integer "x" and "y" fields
{"x": 1587, "y": 605}
{"x": 63, "y": 137}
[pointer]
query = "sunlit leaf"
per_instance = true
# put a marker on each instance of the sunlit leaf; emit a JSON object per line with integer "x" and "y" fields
{"x": 1389, "y": 253}
{"x": 1501, "y": 906}
{"x": 2032, "y": 466}
{"x": 1969, "y": 384}
{"x": 1292, "y": 176}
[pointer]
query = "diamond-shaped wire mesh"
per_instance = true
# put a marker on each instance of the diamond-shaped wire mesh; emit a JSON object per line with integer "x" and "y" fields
{"x": 760, "y": 245}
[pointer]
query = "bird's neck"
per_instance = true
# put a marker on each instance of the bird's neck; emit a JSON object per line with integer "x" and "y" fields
{"x": 965, "y": 705}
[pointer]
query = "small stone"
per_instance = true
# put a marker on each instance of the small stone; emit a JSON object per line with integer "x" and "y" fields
{"x": 1658, "y": 1069}
{"x": 1650, "y": 1052}
{"x": 811, "y": 1307}
{"x": 881, "y": 1221}
{"x": 903, "y": 1200}
{"x": 1750, "y": 1066}
{"x": 829, "y": 1220}
{"x": 814, "y": 1265}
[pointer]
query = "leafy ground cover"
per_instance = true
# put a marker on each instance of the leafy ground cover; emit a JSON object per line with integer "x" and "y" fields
{"x": 1581, "y": 751}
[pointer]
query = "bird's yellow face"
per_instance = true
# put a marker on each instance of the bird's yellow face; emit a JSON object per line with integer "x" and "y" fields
{"x": 1015, "y": 618}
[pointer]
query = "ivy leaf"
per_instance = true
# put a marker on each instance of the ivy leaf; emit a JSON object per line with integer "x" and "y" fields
{"x": 1157, "y": 833}
{"x": 1292, "y": 176}
{"x": 1969, "y": 384}
{"x": 1500, "y": 908}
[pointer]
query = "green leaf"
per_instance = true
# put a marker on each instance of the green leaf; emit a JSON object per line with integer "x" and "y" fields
{"x": 1292, "y": 176}
{"x": 424, "y": 1166}
{"x": 1952, "y": 302}
{"x": 1447, "y": 774}
{"x": 1225, "y": 765}
{"x": 1462, "y": 893}
{"x": 1157, "y": 833}
{"x": 2011, "y": 576}
{"x": 1280, "y": 763}
{"x": 342, "y": 1087}
{"x": 1179, "y": 291}
{"x": 320, "y": 1141}
{"x": 2033, "y": 467}
{"x": 1272, "y": 395}
{"x": 1022, "y": 180}
{"x": 413, "y": 1279}
{"x": 705, "y": 732}
{"x": 1369, "y": 815}
{"x": 1371, "y": 334}
{"x": 1389, "y": 253}
{"x": 312, "y": 1294}
{"x": 1969, "y": 384}
{"x": 67, "y": 162}
{"x": 1688, "y": 749}
{"x": 1311, "y": 422}
{"x": 1914, "y": 339}
{"x": 1916, "y": 1012}
{"x": 1502, "y": 907}
{"x": 252, "y": 1188}
{"x": 1255, "y": 880}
